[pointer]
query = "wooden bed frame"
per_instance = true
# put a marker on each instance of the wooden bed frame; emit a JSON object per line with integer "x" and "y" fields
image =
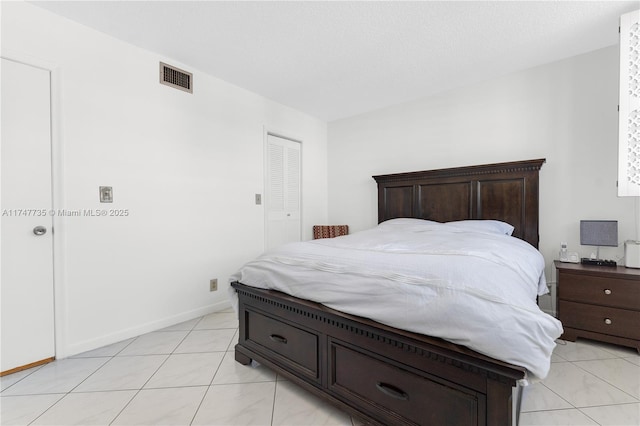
{"x": 380, "y": 374}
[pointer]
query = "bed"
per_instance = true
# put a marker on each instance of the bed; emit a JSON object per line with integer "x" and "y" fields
{"x": 387, "y": 375}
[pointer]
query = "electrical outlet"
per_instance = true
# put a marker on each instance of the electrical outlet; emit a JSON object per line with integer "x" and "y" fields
{"x": 213, "y": 284}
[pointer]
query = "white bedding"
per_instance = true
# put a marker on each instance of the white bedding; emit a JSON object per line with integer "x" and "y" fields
{"x": 473, "y": 288}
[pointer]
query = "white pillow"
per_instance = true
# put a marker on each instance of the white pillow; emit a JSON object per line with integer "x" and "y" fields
{"x": 407, "y": 221}
{"x": 489, "y": 226}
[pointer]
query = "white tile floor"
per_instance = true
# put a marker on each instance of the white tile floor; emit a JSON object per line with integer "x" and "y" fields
{"x": 186, "y": 374}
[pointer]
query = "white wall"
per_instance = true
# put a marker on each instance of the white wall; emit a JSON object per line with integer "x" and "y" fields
{"x": 186, "y": 167}
{"x": 565, "y": 112}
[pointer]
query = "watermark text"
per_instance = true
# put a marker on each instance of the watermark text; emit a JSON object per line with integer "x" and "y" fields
{"x": 66, "y": 212}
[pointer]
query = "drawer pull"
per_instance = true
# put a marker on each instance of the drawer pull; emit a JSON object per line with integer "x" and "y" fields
{"x": 392, "y": 391}
{"x": 277, "y": 338}
{"x": 607, "y": 321}
{"x": 607, "y": 291}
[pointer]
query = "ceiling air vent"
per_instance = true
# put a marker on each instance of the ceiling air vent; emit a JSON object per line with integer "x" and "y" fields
{"x": 176, "y": 78}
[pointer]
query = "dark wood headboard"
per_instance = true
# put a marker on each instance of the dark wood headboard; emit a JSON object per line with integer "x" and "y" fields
{"x": 502, "y": 191}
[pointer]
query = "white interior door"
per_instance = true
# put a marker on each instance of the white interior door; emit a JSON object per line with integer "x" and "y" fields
{"x": 26, "y": 286}
{"x": 282, "y": 191}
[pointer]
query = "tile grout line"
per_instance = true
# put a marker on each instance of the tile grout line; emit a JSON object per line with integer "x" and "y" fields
{"x": 593, "y": 375}
{"x": 275, "y": 393}
{"x": 214, "y": 374}
{"x": 204, "y": 395}
{"x": 193, "y": 418}
{"x": 589, "y": 417}
{"x": 49, "y": 408}
{"x": 21, "y": 379}
{"x": 71, "y": 390}
{"x": 154, "y": 373}
{"x": 613, "y": 355}
{"x": 556, "y": 394}
{"x": 606, "y": 381}
{"x": 65, "y": 394}
{"x": 109, "y": 358}
{"x": 113, "y": 357}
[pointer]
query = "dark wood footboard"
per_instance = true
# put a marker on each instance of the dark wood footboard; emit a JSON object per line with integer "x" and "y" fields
{"x": 382, "y": 375}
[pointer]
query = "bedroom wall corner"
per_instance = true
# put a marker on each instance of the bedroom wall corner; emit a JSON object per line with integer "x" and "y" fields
{"x": 564, "y": 111}
{"x": 183, "y": 167}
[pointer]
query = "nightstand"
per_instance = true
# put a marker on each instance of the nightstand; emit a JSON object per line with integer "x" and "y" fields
{"x": 599, "y": 303}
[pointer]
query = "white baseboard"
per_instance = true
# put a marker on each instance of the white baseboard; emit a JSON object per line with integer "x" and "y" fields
{"x": 88, "y": 345}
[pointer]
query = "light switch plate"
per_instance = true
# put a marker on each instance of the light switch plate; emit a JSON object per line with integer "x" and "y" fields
{"x": 258, "y": 199}
{"x": 106, "y": 194}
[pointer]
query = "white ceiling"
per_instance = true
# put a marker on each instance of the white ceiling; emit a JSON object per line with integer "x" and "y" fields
{"x": 335, "y": 59}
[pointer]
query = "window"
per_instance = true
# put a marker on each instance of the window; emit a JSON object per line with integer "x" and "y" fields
{"x": 629, "y": 127}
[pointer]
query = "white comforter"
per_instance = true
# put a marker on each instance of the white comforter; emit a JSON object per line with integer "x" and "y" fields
{"x": 476, "y": 289}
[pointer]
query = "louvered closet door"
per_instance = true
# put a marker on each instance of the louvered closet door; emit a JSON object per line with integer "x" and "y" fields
{"x": 282, "y": 191}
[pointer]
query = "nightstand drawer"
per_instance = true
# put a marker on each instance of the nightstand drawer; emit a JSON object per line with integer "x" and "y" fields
{"x": 600, "y": 319}
{"x": 595, "y": 290}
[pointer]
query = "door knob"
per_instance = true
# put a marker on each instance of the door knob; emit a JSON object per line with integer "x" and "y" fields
{"x": 39, "y": 230}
